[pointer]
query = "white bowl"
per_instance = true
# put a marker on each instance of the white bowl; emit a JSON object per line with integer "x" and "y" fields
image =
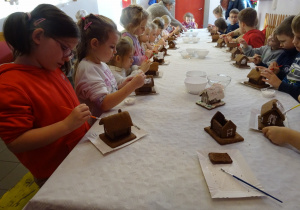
{"x": 195, "y": 85}
{"x": 219, "y": 79}
{"x": 202, "y": 53}
{"x": 129, "y": 100}
{"x": 196, "y": 74}
{"x": 187, "y": 34}
{"x": 196, "y": 39}
{"x": 191, "y": 51}
{"x": 268, "y": 93}
{"x": 184, "y": 54}
{"x": 194, "y": 34}
{"x": 186, "y": 39}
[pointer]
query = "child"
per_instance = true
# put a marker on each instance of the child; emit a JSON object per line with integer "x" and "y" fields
{"x": 80, "y": 14}
{"x": 134, "y": 19}
{"x": 160, "y": 27}
{"x": 221, "y": 25}
{"x": 233, "y": 18}
{"x": 188, "y": 23}
{"x": 247, "y": 22}
{"x": 94, "y": 82}
{"x": 41, "y": 119}
{"x": 290, "y": 83}
{"x": 283, "y": 135}
{"x": 196, "y": 25}
{"x": 167, "y": 21}
{"x": 121, "y": 64}
{"x": 218, "y": 12}
{"x": 264, "y": 55}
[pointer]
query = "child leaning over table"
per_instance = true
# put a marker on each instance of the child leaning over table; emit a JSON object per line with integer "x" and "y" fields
{"x": 247, "y": 22}
{"x": 291, "y": 82}
{"x": 264, "y": 55}
{"x": 165, "y": 32}
{"x": 221, "y": 25}
{"x": 121, "y": 64}
{"x": 283, "y": 135}
{"x": 94, "y": 82}
{"x": 41, "y": 119}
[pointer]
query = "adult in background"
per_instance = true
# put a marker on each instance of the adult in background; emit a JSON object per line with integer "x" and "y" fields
{"x": 163, "y": 8}
{"x": 228, "y": 5}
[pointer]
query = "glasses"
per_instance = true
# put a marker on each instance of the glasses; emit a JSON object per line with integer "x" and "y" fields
{"x": 67, "y": 52}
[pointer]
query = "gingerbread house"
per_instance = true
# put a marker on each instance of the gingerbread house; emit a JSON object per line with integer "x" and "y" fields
{"x": 255, "y": 79}
{"x": 221, "y": 43}
{"x": 234, "y": 52}
{"x": 117, "y": 129}
{"x": 211, "y": 97}
{"x": 172, "y": 44}
{"x": 163, "y": 49}
{"x": 223, "y": 130}
{"x": 159, "y": 58}
{"x": 147, "y": 87}
{"x": 171, "y": 38}
{"x": 153, "y": 69}
{"x": 271, "y": 114}
{"x": 231, "y": 45}
{"x": 241, "y": 61}
{"x": 215, "y": 37}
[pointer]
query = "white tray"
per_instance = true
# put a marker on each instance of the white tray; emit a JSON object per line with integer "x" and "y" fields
{"x": 222, "y": 185}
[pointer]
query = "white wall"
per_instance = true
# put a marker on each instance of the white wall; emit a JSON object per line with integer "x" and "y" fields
{"x": 286, "y": 7}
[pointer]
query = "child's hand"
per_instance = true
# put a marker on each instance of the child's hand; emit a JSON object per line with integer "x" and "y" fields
{"x": 276, "y": 134}
{"x": 274, "y": 67}
{"x": 145, "y": 66}
{"x": 138, "y": 80}
{"x": 256, "y": 59}
{"x": 161, "y": 42}
{"x": 271, "y": 78}
{"x": 78, "y": 116}
{"x": 149, "y": 53}
{"x": 126, "y": 81}
{"x": 243, "y": 42}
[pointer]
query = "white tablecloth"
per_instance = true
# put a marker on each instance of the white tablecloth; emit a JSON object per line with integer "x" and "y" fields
{"x": 162, "y": 170}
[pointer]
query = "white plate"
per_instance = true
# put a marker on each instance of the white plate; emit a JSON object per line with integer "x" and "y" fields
{"x": 222, "y": 185}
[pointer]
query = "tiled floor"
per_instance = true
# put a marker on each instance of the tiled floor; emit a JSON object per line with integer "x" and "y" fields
{"x": 11, "y": 170}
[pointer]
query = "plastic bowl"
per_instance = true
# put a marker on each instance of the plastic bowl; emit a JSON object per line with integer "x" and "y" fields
{"x": 184, "y": 54}
{"x": 186, "y": 39}
{"x": 196, "y": 39}
{"x": 268, "y": 93}
{"x": 202, "y": 53}
{"x": 191, "y": 51}
{"x": 196, "y": 74}
{"x": 187, "y": 34}
{"x": 194, "y": 34}
{"x": 219, "y": 79}
{"x": 195, "y": 85}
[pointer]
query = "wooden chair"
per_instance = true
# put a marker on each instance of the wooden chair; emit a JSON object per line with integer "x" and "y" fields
{"x": 271, "y": 22}
{"x": 1, "y": 36}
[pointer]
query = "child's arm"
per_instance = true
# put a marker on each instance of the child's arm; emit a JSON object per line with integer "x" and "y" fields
{"x": 40, "y": 137}
{"x": 282, "y": 135}
{"x": 271, "y": 78}
{"x": 113, "y": 99}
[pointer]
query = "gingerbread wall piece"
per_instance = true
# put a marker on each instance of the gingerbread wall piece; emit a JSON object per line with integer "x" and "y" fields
{"x": 255, "y": 79}
{"x": 271, "y": 114}
{"x": 241, "y": 61}
{"x": 231, "y": 45}
{"x": 147, "y": 88}
{"x": 172, "y": 44}
{"x": 159, "y": 58}
{"x": 117, "y": 129}
{"x": 215, "y": 37}
{"x": 222, "y": 130}
{"x": 153, "y": 69}
{"x": 221, "y": 43}
{"x": 234, "y": 52}
{"x": 211, "y": 97}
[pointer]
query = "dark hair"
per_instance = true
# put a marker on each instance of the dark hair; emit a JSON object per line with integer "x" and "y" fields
{"x": 285, "y": 27}
{"x": 221, "y": 24}
{"x": 296, "y": 24}
{"x": 188, "y": 14}
{"x": 234, "y": 11}
{"x": 124, "y": 47}
{"x": 248, "y": 16}
{"x": 19, "y": 26}
{"x": 93, "y": 26}
{"x": 159, "y": 22}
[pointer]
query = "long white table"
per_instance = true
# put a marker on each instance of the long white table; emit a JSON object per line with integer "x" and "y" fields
{"x": 162, "y": 170}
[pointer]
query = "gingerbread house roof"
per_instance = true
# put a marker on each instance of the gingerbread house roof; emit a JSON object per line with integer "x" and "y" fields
{"x": 231, "y": 44}
{"x": 116, "y": 122}
{"x": 215, "y": 92}
{"x": 239, "y": 57}
{"x": 236, "y": 50}
{"x": 273, "y": 105}
{"x": 219, "y": 117}
{"x": 254, "y": 74}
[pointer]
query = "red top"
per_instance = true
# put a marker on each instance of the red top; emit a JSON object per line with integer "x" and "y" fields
{"x": 255, "y": 38}
{"x": 31, "y": 98}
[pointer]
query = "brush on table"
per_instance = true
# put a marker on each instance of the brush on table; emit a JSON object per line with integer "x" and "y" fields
{"x": 97, "y": 118}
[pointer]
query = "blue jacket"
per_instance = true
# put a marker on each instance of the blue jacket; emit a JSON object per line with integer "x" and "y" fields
{"x": 286, "y": 59}
{"x": 236, "y": 4}
{"x": 232, "y": 27}
{"x": 291, "y": 83}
